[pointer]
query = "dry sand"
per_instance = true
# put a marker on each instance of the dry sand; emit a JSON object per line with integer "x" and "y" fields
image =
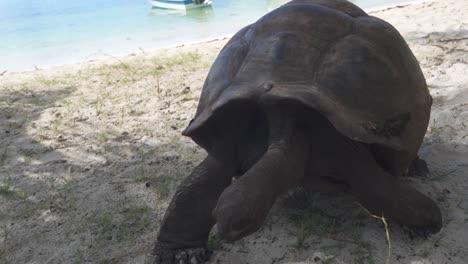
{"x": 91, "y": 153}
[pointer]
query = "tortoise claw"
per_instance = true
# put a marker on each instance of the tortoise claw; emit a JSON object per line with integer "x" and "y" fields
{"x": 165, "y": 255}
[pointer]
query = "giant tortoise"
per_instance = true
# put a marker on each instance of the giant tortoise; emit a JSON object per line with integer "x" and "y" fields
{"x": 316, "y": 94}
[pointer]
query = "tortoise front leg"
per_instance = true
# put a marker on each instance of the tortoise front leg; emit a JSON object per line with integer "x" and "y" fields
{"x": 383, "y": 195}
{"x": 343, "y": 160}
{"x": 188, "y": 220}
{"x": 244, "y": 205}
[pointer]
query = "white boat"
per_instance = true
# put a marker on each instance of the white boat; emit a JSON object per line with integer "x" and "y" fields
{"x": 180, "y": 4}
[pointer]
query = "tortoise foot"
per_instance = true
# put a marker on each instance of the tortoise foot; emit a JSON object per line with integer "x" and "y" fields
{"x": 241, "y": 210}
{"x": 418, "y": 168}
{"x": 165, "y": 255}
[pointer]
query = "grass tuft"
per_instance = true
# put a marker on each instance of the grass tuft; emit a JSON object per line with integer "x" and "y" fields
{"x": 387, "y": 233}
{"x": 8, "y": 191}
{"x": 160, "y": 184}
{"x": 48, "y": 82}
{"x": 214, "y": 243}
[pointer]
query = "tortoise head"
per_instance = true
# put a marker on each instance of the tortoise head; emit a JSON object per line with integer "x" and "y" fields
{"x": 244, "y": 205}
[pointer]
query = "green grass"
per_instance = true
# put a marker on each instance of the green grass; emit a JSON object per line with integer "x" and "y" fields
{"x": 116, "y": 227}
{"x": 98, "y": 105}
{"x": 102, "y": 137}
{"x": 3, "y": 256}
{"x": 78, "y": 257}
{"x": 387, "y": 233}
{"x": 136, "y": 218}
{"x": 27, "y": 155}
{"x": 328, "y": 259}
{"x": 313, "y": 221}
{"x": 106, "y": 135}
{"x": 134, "y": 112}
{"x": 160, "y": 184}
{"x": 180, "y": 59}
{"x": 6, "y": 189}
{"x": 214, "y": 243}
{"x": 49, "y": 82}
{"x": 363, "y": 254}
{"x": 123, "y": 73}
{"x": 56, "y": 125}
{"x": 105, "y": 221}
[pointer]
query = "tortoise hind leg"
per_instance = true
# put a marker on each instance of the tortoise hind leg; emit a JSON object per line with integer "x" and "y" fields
{"x": 188, "y": 219}
{"x": 383, "y": 195}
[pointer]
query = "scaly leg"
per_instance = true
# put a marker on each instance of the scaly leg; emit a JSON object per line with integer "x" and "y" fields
{"x": 188, "y": 219}
{"x": 383, "y": 195}
{"x": 343, "y": 160}
{"x": 244, "y": 205}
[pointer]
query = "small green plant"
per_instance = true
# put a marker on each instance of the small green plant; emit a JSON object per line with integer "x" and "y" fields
{"x": 136, "y": 217}
{"x": 180, "y": 59}
{"x": 312, "y": 221}
{"x": 68, "y": 106}
{"x": 387, "y": 233}
{"x": 27, "y": 155}
{"x": 120, "y": 66}
{"x": 48, "y": 82}
{"x": 160, "y": 184}
{"x": 106, "y": 135}
{"x": 82, "y": 101}
{"x": 6, "y": 189}
{"x": 134, "y": 222}
{"x": 105, "y": 221}
{"x": 102, "y": 137}
{"x": 56, "y": 123}
{"x": 3, "y": 256}
{"x": 134, "y": 112}
{"x": 328, "y": 259}
{"x": 98, "y": 105}
{"x": 363, "y": 254}
{"x": 122, "y": 226}
{"x": 166, "y": 63}
{"x": 214, "y": 243}
{"x": 78, "y": 257}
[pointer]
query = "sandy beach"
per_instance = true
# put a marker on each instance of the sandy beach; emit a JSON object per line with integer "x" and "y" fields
{"x": 91, "y": 153}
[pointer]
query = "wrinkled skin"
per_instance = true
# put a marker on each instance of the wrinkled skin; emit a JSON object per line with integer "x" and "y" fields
{"x": 275, "y": 135}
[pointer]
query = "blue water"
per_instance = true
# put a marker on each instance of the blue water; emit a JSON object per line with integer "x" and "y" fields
{"x": 47, "y": 32}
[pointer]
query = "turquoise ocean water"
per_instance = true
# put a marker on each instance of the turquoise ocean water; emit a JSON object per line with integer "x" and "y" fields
{"x": 48, "y": 32}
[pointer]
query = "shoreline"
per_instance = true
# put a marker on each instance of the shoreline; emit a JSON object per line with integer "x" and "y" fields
{"x": 138, "y": 51}
{"x": 396, "y": 5}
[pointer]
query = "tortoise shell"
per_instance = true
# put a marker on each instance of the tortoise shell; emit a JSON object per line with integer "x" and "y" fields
{"x": 330, "y": 56}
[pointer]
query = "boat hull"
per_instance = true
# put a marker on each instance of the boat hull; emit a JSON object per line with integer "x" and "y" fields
{"x": 179, "y": 4}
